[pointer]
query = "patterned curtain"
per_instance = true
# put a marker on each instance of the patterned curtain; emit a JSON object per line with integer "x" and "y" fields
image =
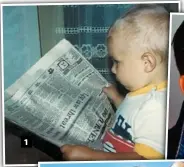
{"x": 86, "y": 26}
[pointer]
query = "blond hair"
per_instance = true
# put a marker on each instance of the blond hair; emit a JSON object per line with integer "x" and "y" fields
{"x": 147, "y": 25}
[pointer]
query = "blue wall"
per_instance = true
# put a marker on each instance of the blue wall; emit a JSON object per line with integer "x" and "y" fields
{"x": 20, "y": 41}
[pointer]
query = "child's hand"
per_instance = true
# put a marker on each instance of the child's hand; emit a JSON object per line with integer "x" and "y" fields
{"x": 113, "y": 94}
{"x": 76, "y": 153}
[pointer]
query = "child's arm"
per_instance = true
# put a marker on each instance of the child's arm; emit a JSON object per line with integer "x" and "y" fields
{"x": 83, "y": 153}
{"x": 113, "y": 95}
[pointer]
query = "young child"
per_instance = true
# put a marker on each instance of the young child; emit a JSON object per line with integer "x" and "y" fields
{"x": 138, "y": 44}
{"x": 175, "y": 133}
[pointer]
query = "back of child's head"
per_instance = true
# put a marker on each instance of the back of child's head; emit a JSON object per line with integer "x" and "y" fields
{"x": 147, "y": 26}
{"x": 178, "y": 46}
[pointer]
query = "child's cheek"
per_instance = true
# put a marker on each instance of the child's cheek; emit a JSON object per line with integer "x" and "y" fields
{"x": 121, "y": 73}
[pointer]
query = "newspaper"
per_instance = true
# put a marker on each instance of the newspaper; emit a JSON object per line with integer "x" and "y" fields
{"x": 60, "y": 99}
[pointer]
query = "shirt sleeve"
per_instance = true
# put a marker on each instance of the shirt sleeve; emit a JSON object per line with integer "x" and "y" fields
{"x": 149, "y": 130}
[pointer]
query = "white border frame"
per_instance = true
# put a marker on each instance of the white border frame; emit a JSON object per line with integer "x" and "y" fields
{"x": 71, "y": 3}
{"x": 169, "y": 73}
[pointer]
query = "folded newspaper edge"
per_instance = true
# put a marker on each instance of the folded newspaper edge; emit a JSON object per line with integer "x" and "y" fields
{"x": 60, "y": 99}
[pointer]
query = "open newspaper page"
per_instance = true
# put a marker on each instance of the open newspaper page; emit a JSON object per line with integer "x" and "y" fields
{"x": 60, "y": 99}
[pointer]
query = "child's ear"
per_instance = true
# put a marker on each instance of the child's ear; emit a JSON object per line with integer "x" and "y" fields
{"x": 181, "y": 83}
{"x": 149, "y": 61}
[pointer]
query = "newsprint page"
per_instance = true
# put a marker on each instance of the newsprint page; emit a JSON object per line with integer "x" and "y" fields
{"x": 60, "y": 99}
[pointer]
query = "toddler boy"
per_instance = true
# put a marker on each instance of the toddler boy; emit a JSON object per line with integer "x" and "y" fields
{"x": 137, "y": 43}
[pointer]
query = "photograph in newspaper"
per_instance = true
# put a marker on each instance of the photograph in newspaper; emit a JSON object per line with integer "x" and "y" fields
{"x": 56, "y": 65}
